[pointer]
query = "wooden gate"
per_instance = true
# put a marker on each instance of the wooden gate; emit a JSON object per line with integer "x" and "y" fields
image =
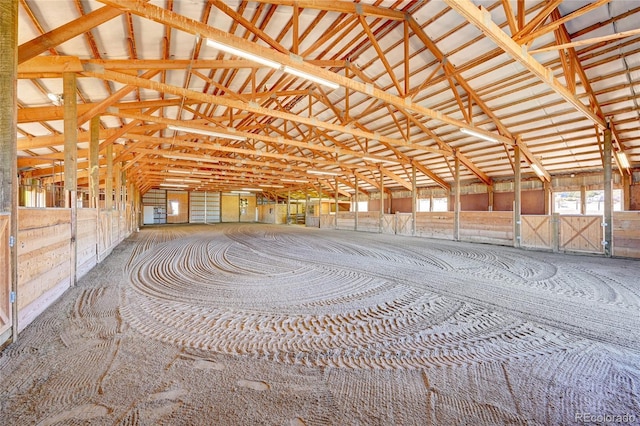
{"x": 404, "y": 223}
{"x": 389, "y": 224}
{"x": 536, "y": 232}
{"x": 5, "y": 280}
{"x": 581, "y": 234}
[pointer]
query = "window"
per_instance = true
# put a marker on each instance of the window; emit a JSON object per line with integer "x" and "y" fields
{"x": 595, "y": 201}
{"x": 424, "y": 205}
{"x": 567, "y": 202}
{"x": 363, "y": 206}
{"x": 440, "y": 204}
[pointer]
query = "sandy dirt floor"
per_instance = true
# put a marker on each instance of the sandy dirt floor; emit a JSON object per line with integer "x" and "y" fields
{"x": 283, "y": 325}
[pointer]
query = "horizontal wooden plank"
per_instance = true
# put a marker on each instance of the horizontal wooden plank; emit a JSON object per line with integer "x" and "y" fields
{"x": 40, "y": 261}
{"x": 37, "y": 238}
{"x": 30, "y": 218}
{"x": 31, "y": 290}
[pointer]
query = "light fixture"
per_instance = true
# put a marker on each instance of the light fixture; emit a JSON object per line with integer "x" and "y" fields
{"x": 190, "y": 158}
{"x": 537, "y": 169}
{"x": 243, "y": 54}
{"x": 322, "y": 172}
{"x": 270, "y": 63}
{"x": 182, "y": 172}
{"x": 624, "y": 160}
{"x": 478, "y": 135}
{"x": 206, "y": 132}
{"x": 378, "y": 160}
{"x": 174, "y": 185}
{"x": 182, "y": 180}
{"x": 241, "y": 192}
{"x": 311, "y": 77}
{"x": 252, "y": 189}
{"x": 57, "y": 99}
{"x": 295, "y": 180}
{"x": 270, "y": 186}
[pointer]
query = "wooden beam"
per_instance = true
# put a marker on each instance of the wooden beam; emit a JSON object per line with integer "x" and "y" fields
{"x": 66, "y": 32}
{"x": 183, "y": 23}
{"x": 481, "y": 18}
{"x": 586, "y": 42}
{"x": 70, "y": 133}
{"x": 50, "y": 65}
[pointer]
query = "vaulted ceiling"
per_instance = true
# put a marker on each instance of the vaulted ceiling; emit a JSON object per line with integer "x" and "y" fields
{"x": 545, "y": 75}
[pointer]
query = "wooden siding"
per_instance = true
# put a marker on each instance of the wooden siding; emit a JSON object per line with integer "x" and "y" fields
{"x": 435, "y": 225}
{"x": 86, "y": 240}
{"x": 44, "y": 253}
{"x": 487, "y": 227}
{"x": 5, "y": 276}
{"x": 626, "y": 234}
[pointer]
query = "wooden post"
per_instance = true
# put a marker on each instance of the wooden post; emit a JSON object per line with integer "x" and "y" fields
{"x": 108, "y": 187}
{"x": 8, "y": 164}
{"x": 626, "y": 191}
{"x": 548, "y": 194}
{"x": 337, "y": 206}
{"x": 414, "y": 198}
{"x": 94, "y": 163}
{"x": 456, "y": 202}
{"x": 381, "y": 217}
{"x": 583, "y": 199}
{"x": 517, "y": 204}
{"x": 608, "y": 193}
{"x": 71, "y": 163}
{"x": 490, "y": 191}
{"x": 355, "y": 224}
{"x": 555, "y": 232}
{"x": 288, "y": 207}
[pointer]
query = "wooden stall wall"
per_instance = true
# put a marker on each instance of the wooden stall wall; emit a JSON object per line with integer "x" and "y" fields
{"x": 44, "y": 255}
{"x": 369, "y": 221}
{"x": 328, "y": 221}
{"x": 6, "y": 319}
{"x": 346, "y": 221}
{"x": 86, "y": 240}
{"x": 626, "y": 234}
{"x": 487, "y": 227}
{"x": 435, "y": 225}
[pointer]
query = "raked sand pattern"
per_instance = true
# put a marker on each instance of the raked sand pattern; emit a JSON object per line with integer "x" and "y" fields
{"x": 257, "y": 324}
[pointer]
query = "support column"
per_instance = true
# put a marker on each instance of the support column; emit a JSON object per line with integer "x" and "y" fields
{"x": 118, "y": 187}
{"x": 94, "y": 163}
{"x": 626, "y": 191}
{"x": 288, "y": 221}
{"x": 108, "y": 187}
{"x": 583, "y": 199}
{"x": 8, "y": 164}
{"x": 337, "y": 206}
{"x": 608, "y": 193}
{"x": 517, "y": 204}
{"x": 355, "y": 224}
{"x": 414, "y": 199}
{"x": 548, "y": 194}
{"x": 71, "y": 163}
{"x": 490, "y": 191}
{"x": 381, "y": 223}
{"x": 456, "y": 198}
